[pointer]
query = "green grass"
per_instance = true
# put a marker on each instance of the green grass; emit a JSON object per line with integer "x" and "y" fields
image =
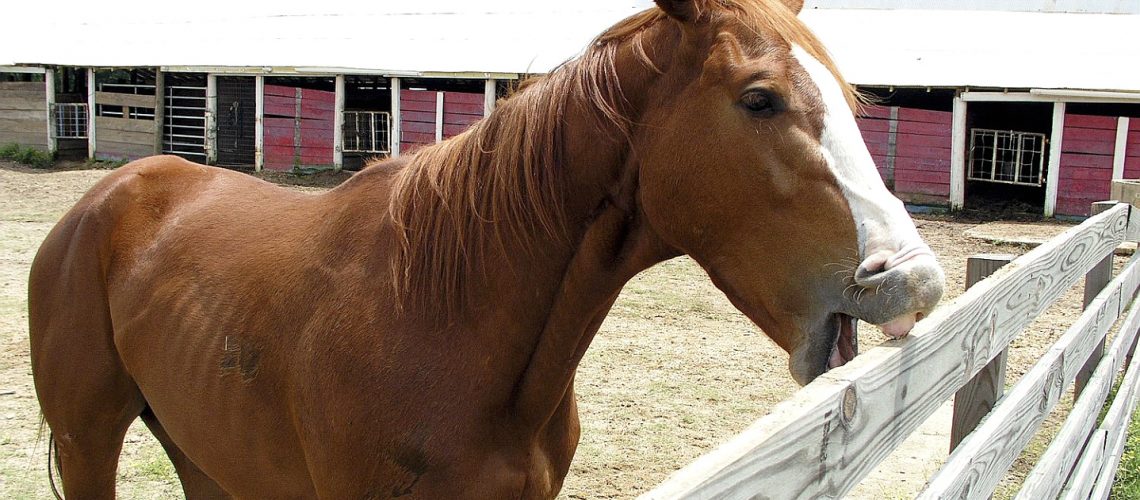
{"x": 1127, "y": 482}
{"x": 28, "y": 156}
{"x": 105, "y": 164}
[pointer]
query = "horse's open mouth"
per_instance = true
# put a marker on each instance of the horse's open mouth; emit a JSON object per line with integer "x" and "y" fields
{"x": 846, "y": 345}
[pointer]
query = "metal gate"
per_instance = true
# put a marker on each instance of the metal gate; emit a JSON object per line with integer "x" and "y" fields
{"x": 184, "y": 122}
{"x": 1007, "y": 157}
{"x": 366, "y": 132}
{"x": 236, "y": 120}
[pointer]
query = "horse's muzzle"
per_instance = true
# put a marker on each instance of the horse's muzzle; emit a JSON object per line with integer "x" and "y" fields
{"x": 896, "y": 289}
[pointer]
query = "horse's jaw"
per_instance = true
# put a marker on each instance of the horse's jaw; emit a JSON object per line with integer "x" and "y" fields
{"x": 831, "y": 343}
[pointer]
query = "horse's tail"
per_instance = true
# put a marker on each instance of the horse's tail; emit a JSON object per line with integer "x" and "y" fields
{"x": 53, "y": 466}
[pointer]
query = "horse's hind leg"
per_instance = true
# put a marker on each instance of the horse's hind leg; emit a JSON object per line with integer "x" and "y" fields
{"x": 195, "y": 483}
{"x": 89, "y": 411}
{"x": 85, "y": 393}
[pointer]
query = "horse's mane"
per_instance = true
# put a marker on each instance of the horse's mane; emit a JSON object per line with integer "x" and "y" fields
{"x": 499, "y": 181}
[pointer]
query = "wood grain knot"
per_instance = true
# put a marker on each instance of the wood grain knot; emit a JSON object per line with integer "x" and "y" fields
{"x": 849, "y": 402}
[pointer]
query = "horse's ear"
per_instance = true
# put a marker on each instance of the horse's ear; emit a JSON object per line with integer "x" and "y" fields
{"x": 681, "y": 10}
{"x": 794, "y": 5}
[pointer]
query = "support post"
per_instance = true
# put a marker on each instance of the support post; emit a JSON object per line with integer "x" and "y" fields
{"x": 1121, "y": 148}
{"x": 1095, "y": 281}
{"x": 159, "y": 109}
{"x": 259, "y": 123}
{"x": 49, "y": 91}
{"x": 338, "y": 124}
{"x": 975, "y": 399}
{"x": 1054, "y": 172}
{"x": 211, "y": 136}
{"x": 958, "y": 155}
{"x": 394, "y": 128}
{"x": 438, "y": 116}
{"x": 488, "y": 96}
{"x": 91, "y": 113}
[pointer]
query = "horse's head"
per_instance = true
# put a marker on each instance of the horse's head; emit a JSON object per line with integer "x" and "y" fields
{"x": 750, "y": 162}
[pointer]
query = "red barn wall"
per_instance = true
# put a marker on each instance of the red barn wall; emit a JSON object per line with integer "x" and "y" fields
{"x": 418, "y": 115}
{"x": 914, "y": 160}
{"x": 315, "y": 123}
{"x": 1085, "y": 174}
{"x": 1132, "y": 150}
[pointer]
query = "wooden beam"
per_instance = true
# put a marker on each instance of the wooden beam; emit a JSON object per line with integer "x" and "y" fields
{"x": 1115, "y": 425}
{"x": 91, "y": 112}
{"x": 394, "y": 132}
{"x": 159, "y": 109}
{"x": 958, "y": 155}
{"x": 1121, "y": 148}
{"x": 981, "y": 461}
{"x": 825, "y": 438}
{"x": 49, "y": 94}
{"x": 35, "y": 70}
{"x": 1054, "y": 169}
{"x": 489, "y": 86}
{"x": 438, "y": 116}
{"x": 211, "y": 145}
{"x": 1083, "y": 478}
{"x": 259, "y": 123}
{"x": 338, "y": 124}
{"x": 126, "y": 100}
{"x": 1055, "y": 465}
{"x": 975, "y": 399}
{"x": 1095, "y": 281}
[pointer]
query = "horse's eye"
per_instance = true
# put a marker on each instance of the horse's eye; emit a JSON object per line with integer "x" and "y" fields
{"x": 760, "y": 103}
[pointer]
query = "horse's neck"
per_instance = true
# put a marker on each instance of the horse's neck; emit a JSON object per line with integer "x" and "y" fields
{"x": 611, "y": 243}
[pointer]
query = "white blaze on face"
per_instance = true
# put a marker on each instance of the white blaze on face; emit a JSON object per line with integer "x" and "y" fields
{"x": 880, "y": 219}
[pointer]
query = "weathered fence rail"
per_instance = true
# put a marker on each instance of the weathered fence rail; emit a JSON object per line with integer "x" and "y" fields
{"x": 828, "y": 436}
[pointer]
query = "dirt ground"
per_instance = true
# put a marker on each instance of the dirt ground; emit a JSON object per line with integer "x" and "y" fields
{"x": 674, "y": 371}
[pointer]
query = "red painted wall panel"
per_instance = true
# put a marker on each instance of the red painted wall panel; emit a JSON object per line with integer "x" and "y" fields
{"x": 461, "y": 108}
{"x": 418, "y": 115}
{"x": 1132, "y": 167}
{"x": 417, "y": 95}
{"x": 457, "y": 119}
{"x": 917, "y": 128}
{"x": 882, "y": 112}
{"x": 921, "y": 154}
{"x": 427, "y": 128}
{"x": 280, "y": 106}
{"x": 872, "y": 125}
{"x": 1087, "y": 147}
{"x": 925, "y": 116}
{"x": 428, "y": 107}
{"x": 922, "y": 188}
{"x": 464, "y": 98}
{"x": 1085, "y": 176}
{"x": 282, "y": 150}
{"x": 1133, "y": 148}
{"x": 1090, "y": 121}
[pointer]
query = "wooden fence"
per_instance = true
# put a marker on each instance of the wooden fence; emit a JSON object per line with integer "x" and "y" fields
{"x": 828, "y": 436}
{"x": 24, "y": 114}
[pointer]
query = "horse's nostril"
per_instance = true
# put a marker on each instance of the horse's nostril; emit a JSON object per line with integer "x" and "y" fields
{"x": 871, "y": 266}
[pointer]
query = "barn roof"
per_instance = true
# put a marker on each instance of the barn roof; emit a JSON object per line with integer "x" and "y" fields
{"x": 873, "y": 47}
{"x": 931, "y": 48}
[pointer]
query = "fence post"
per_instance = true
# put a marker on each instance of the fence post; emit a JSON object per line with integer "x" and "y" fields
{"x": 1095, "y": 280}
{"x": 975, "y": 399}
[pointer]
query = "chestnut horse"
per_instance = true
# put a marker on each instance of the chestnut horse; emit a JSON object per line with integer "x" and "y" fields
{"x": 416, "y": 330}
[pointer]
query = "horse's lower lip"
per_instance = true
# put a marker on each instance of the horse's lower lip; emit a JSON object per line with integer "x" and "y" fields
{"x": 846, "y": 345}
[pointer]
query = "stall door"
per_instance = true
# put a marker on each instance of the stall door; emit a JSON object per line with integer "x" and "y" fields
{"x": 236, "y": 120}
{"x": 298, "y": 127}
